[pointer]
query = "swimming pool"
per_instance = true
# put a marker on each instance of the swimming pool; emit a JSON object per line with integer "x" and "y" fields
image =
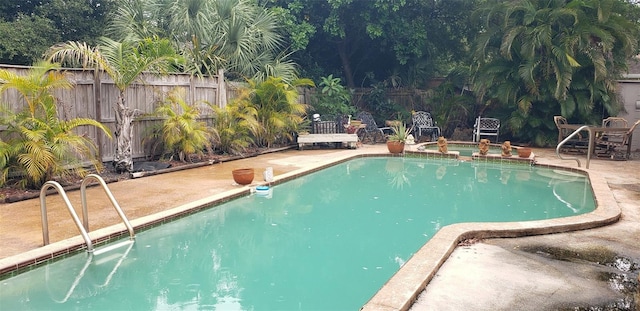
{"x": 318, "y": 237}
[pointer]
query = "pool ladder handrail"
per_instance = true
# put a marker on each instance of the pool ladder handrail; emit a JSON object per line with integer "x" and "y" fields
{"x": 580, "y": 129}
{"x": 84, "y": 226}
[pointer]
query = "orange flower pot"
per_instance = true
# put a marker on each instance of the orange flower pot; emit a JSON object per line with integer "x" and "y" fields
{"x": 524, "y": 152}
{"x": 243, "y": 176}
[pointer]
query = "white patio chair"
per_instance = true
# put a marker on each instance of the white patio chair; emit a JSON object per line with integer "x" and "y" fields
{"x": 486, "y": 127}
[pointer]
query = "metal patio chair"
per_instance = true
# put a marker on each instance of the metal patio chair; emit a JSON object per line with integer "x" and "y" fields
{"x": 423, "y": 122}
{"x": 486, "y": 127}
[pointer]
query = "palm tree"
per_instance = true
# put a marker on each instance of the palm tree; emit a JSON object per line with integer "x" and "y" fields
{"x": 236, "y": 35}
{"x": 40, "y": 145}
{"x": 123, "y": 62}
{"x": 233, "y": 126}
{"x": 538, "y": 58}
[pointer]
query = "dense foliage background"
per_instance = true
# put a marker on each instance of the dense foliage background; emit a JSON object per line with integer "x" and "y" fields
{"x": 521, "y": 60}
{"x": 28, "y": 27}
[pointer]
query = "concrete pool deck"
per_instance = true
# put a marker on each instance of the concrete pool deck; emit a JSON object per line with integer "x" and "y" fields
{"x": 492, "y": 274}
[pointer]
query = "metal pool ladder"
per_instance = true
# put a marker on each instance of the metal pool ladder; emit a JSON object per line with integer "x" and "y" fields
{"x": 84, "y": 226}
{"x": 571, "y": 136}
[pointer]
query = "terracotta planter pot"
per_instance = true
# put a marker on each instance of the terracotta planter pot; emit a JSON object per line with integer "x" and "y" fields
{"x": 524, "y": 152}
{"x": 243, "y": 176}
{"x": 395, "y": 146}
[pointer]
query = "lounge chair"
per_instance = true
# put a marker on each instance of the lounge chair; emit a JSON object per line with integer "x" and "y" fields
{"x": 371, "y": 130}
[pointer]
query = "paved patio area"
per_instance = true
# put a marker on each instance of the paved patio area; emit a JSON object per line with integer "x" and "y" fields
{"x": 595, "y": 269}
{"x": 495, "y": 274}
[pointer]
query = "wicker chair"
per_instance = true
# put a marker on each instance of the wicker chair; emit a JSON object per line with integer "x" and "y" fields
{"x": 578, "y": 143}
{"x": 614, "y": 122}
{"x": 610, "y": 141}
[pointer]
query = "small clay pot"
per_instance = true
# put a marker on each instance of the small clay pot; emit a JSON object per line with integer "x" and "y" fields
{"x": 243, "y": 176}
{"x": 524, "y": 152}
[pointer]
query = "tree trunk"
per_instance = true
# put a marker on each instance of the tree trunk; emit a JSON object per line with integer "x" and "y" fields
{"x": 123, "y": 159}
{"x": 346, "y": 64}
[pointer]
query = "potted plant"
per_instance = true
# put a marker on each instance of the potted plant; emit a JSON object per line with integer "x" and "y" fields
{"x": 351, "y": 129}
{"x": 396, "y": 141}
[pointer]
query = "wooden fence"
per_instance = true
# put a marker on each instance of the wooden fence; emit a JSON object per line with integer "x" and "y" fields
{"x": 94, "y": 96}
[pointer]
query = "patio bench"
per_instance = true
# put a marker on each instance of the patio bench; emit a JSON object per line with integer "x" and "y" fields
{"x": 349, "y": 140}
{"x": 328, "y": 132}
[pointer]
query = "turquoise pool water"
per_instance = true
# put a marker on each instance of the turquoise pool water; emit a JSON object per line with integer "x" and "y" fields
{"x": 325, "y": 241}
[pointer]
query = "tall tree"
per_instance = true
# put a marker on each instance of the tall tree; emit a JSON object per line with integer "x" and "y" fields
{"x": 25, "y": 39}
{"x": 28, "y": 28}
{"x": 369, "y": 40}
{"x": 538, "y": 58}
{"x": 124, "y": 62}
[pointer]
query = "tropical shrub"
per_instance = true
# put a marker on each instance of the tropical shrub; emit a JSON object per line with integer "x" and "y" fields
{"x": 41, "y": 146}
{"x": 278, "y": 110}
{"x": 182, "y": 133}
{"x": 381, "y": 107}
{"x": 234, "y": 126}
{"x": 451, "y": 107}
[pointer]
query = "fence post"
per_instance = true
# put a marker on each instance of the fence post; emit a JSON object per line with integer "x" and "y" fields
{"x": 97, "y": 101}
{"x": 222, "y": 90}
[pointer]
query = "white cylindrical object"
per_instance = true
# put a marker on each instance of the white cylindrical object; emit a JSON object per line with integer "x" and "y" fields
{"x": 268, "y": 174}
